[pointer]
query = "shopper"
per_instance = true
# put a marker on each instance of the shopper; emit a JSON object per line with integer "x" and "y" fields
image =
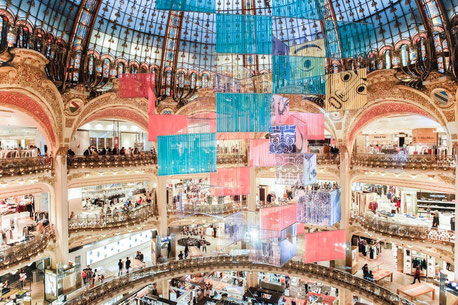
{"x": 127, "y": 264}
{"x": 452, "y": 222}
{"x": 204, "y": 245}
{"x": 435, "y": 220}
{"x": 416, "y": 275}
{"x": 180, "y": 256}
{"x": 22, "y": 278}
{"x": 365, "y": 270}
{"x": 186, "y": 251}
{"x": 120, "y": 266}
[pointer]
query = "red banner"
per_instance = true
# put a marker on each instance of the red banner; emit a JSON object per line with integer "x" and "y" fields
{"x": 230, "y": 181}
{"x": 277, "y": 218}
{"x": 165, "y": 125}
{"x": 259, "y": 153}
{"x": 135, "y": 84}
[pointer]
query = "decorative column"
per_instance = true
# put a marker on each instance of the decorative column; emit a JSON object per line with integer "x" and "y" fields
{"x": 59, "y": 206}
{"x": 161, "y": 197}
{"x": 345, "y": 189}
{"x": 251, "y": 279}
{"x": 253, "y": 188}
{"x": 455, "y": 145}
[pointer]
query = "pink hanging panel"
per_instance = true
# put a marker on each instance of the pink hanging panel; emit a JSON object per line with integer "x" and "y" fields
{"x": 133, "y": 85}
{"x": 277, "y": 218}
{"x": 165, "y": 125}
{"x": 324, "y": 246}
{"x": 259, "y": 153}
{"x": 313, "y": 122}
{"x": 202, "y": 122}
{"x": 230, "y": 181}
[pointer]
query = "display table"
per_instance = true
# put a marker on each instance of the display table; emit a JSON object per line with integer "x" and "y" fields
{"x": 380, "y": 274}
{"x": 415, "y": 290}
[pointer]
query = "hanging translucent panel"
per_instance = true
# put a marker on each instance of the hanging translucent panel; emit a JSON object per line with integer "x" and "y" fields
{"x": 314, "y": 123}
{"x": 242, "y": 112}
{"x": 348, "y": 39}
{"x": 292, "y": 169}
{"x": 202, "y": 122}
{"x": 187, "y": 154}
{"x": 259, "y": 153}
{"x": 135, "y": 84}
{"x": 319, "y": 207}
{"x": 315, "y": 48}
{"x": 233, "y": 136}
{"x": 298, "y": 75}
{"x": 243, "y": 34}
{"x": 230, "y": 181}
{"x": 201, "y": 6}
{"x": 279, "y": 109}
{"x": 324, "y": 246}
{"x": 346, "y": 90}
{"x": 279, "y": 47}
{"x": 164, "y": 124}
{"x": 277, "y": 218}
{"x": 308, "y": 9}
{"x": 282, "y": 139}
{"x": 234, "y": 227}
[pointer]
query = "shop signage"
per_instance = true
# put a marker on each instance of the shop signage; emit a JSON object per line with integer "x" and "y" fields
{"x": 424, "y": 136}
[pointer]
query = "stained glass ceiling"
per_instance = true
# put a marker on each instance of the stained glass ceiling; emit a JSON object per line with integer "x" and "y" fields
{"x": 135, "y": 29}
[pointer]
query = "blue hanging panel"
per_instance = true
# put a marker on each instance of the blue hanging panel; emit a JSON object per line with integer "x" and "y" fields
{"x": 282, "y": 139}
{"x": 298, "y": 75}
{"x": 243, "y": 34}
{"x": 308, "y": 9}
{"x": 348, "y": 39}
{"x": 242, "y": 112}
{"x": 187, "y": 154}
{"x": 201, "y": 6}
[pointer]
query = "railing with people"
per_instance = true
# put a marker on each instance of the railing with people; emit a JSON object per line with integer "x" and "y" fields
{"x": 402, "y": 161}
{"x": 209, "y": 209}
{"x": 27, "y": 249}
{"x": 24, "y": 166}
{"x": 122, "y": 218}
{"x": 395, "y": 228}
{"x": 142, "y": 277}
{"x": 103, "y": 161}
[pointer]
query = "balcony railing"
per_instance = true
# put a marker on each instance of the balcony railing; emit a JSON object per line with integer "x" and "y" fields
{"x": 119, "y": 219}
{"x": 210, "y": 209}
{"x": 394, "y": 228}
{"x": 327, "y": 159}
{"x": 400, "y": 161}
{"x": 23, "y": 251}
{"x": 147, "y": 275}
{"x": 24, "y": 166}
{"x": 104, "y": 161}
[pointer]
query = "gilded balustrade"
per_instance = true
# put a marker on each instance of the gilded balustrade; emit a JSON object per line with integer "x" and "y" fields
{"x": 396, "y": 229}
{"x": 24, "y": 166}
{"x": 400, "y": 161}
{"x": 105, "y": 161}
{"x": 116, "y": 220}
{"x": 337, "y": 278}
{"x": 23, "y": 251}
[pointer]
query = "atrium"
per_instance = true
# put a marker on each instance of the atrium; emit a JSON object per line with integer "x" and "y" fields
{"x": 239, "y": 152}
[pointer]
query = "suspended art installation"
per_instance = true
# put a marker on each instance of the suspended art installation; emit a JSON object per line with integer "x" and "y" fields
{"x": 307, "y": 9}
{"x": 201, "y": 6}
{"x": 230, "y": 181}
{"x": 282, "y": 139}
{"x": 319, "y": 207}
{"x": 324, "y": 246}
{"x": 295, "y": 169}
{"x": 166, "y": 124}
{"x": 187, "y": 154}
{"x": 277, "y": 218}
{"x": 279, "y": 47}
{"x": 202, "y": 122}
{"x": 242, "y": 112}
{"x": 259, "y": 153}
{"x": 315, "y": 48}
{"x": 298, "y": 75}
{"x": 313, "y": 121}
{"x": 132, "y": 85}
{"x": 279, "y": 109}
{"x": 243, "y": 34}
{"x": 347, "y": 39}
{"x": 346, "y": 90}
{"x": 309, "y": 169}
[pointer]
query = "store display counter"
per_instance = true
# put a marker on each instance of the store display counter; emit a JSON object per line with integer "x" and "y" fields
{"x": 380, "y": 274}
{"x": 415, "y": 290}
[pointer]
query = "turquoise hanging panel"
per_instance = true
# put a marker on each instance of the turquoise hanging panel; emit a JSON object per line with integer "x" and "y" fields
{"x": 201, "y": 6}
{"x": 242, "y": 112}
{"x": 298, "y": 75}
{"x": 308, "y": 9}
{"x": 243, "y": 34}
{"x": 348, "y": 39}
{"x": 187, "y": 154}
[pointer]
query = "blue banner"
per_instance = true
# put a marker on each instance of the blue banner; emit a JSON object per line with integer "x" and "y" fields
{"x": 299, "y": 75}
{"x": 308, "y": 9}
{"x": 186, "y": 154}
{"x": 243, "y": 34}
{"x": 348, "y": 39}
{"x": 243, "y": 112}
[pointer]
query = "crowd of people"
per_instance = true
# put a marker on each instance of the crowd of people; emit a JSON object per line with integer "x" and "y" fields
{"x": 93, "y": 151}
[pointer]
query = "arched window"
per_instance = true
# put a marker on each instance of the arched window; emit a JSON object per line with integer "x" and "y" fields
{"x": 193, "y": 80}
{"x": 180, "y": 79}
{"x": 204, "y": 80}
{"x": 168, "y": 82}
{"x": 404, "y": 56}
{"x": 106, "y": 68}
{"x": 423, "y": 49}
{"x": 23, "y": 37}
{"x": 387, "y": 59}
{"x": 91, "y": 64}
{"x": 413, "y": 55}
{"x": 121, "y": 68}
{"x": 76, "y": 66}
